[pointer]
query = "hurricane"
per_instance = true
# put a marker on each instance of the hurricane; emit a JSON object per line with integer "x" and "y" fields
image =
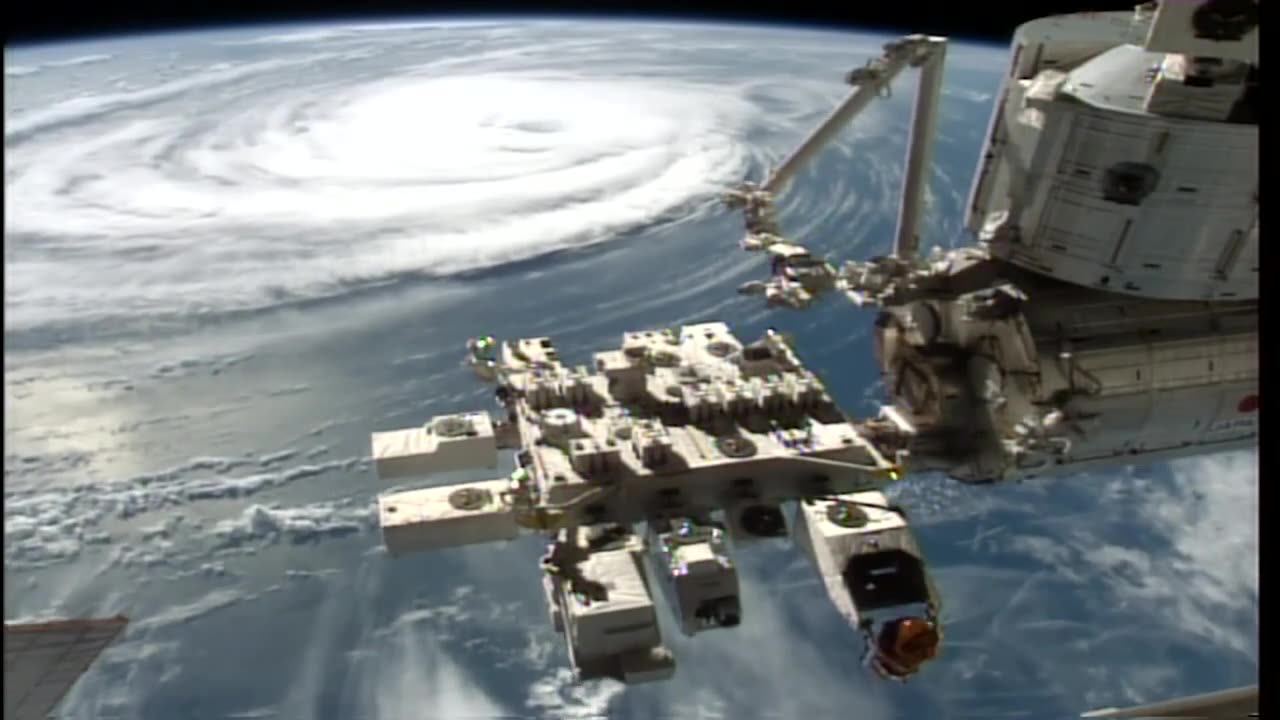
{"x": 333, "y": 165}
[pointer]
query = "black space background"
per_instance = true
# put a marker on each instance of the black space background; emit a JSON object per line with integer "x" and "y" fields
{"x": 35, "y": 21}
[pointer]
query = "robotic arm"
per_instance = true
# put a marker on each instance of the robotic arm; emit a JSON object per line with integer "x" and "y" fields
{"x": 873, "y": 80}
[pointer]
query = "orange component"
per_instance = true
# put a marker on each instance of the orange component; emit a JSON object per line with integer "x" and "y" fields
{"x": 907, "y": 643}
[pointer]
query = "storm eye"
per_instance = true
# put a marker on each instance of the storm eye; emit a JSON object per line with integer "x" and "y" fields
{"x": 1129, "y": 183}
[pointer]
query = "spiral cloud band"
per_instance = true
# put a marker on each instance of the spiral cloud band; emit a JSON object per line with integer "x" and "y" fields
{"x": 338, "y": 161}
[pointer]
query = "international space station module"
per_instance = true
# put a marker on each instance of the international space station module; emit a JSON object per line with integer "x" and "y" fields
{"x": 1106, "y": 313}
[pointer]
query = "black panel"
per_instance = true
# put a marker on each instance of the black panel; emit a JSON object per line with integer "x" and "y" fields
{"x": 1225, "y": 20}
{"x": 885, "y": 579}
{"x": 1129, "y": 183}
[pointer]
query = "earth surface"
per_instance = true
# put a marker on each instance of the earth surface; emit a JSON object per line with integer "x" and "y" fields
{"x": 230, "y": 256}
